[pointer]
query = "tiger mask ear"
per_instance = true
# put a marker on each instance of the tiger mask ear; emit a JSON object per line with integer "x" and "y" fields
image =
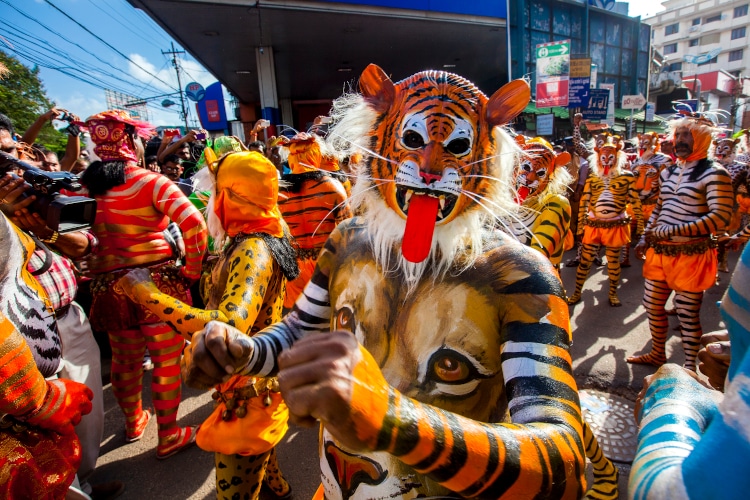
{"x": 508, "y": 102}
{"x": 377, "y": 88}
{"x": 562, "y": 159}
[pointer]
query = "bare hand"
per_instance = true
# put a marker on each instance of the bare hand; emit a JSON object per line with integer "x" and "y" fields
{"x": 714, "y": 358}
{"x": 640, "y": 249}
{"x": 214, "y": 354}
{"x": 673, "y": 377}
{"x": 326, "y": 377}
{"x": 577, "y": 119}
{"x": 138, "y": 276}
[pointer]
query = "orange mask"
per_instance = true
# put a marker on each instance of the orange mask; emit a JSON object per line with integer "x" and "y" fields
{"x": 247, "y": 189}
{"x": 701, "y": 142}
{"x": 304, "y": 154}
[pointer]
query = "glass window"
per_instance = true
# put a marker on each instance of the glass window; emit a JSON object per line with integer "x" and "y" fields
{"x": 738, "y": 33}
{"x": 694, "y": 43}
{"x": 628, "y": 62}
{"x": 612, "y": 60}
{"x": 735, "y": 55}
{"x": 538, "y": 37}
{"x": 561, "y": 20}
{"x": 625, "y": 86}
{"x": 712, "y": 19}
{"x": 540, "y": 16}
{"x": 627, "y": 36}
{"x": 643, "y": 39}
{"x": 576, "y": 25}
{"x": 671, "y": 29}
{"x": 713, "y": 60}
{"x": 740, "y": 11}
{"x": 597, "y": 54}
{"x": 614, "y": 33}
{"x": 696, "y": 21}
{"x": 597, "y": 25}
{"x": 670, "y": 48}
{"x": 673, "y": 67}
{"x": 709, "y": 39}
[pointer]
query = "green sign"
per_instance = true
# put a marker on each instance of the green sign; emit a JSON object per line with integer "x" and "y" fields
{"x": 553, "y": 49}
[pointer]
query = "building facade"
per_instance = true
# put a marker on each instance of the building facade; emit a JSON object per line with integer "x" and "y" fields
{"x": 706, "y": 45}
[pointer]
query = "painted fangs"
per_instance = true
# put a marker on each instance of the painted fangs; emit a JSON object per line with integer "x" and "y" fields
{"x": 408, "y": 196}
{"x": 442, "y": 203}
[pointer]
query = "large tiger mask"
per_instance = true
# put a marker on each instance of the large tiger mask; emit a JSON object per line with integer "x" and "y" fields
{"x": 433, "y": 154}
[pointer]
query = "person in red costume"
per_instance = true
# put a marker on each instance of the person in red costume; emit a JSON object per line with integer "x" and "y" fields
{"x": 134, "y": 207}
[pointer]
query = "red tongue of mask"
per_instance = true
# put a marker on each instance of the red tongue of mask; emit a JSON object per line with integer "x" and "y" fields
{"x": 521, "y": 194}
{"x": 420, "y": 226}
{"x": 606, "y": 170}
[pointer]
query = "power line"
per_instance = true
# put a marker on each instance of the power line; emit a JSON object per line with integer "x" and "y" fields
{"x": 105, "y": 42}
{"x": 88, "y": 51}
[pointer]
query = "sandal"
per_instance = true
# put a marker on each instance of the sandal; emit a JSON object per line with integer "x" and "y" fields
{"x": 140, "y": 427}
{"x": 182, "y": 439}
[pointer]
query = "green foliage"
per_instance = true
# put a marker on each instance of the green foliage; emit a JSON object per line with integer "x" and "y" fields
{"x": 23, "y": 99}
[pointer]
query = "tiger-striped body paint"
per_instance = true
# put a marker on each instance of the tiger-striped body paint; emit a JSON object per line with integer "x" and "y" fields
{"x": 695, "y": 203}
{"x": 470, "y": 383}
{"x": 693, "y": 441}
{"x": 602, "y": 216}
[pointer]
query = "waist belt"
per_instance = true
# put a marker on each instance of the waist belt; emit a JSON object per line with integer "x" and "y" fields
{"x": 59, "y": 313}
{"x": 693, "y": 247}
{"x": 605, "y": 224}
{"x": 648, "y": 202}
{"x": 308, "y": 253}
{"x": 234, "y": 399}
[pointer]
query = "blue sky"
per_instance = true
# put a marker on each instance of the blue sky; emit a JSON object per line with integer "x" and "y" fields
{"x": 37, "y": 33}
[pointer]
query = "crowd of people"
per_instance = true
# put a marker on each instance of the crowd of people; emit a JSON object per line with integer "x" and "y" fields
{"x": 393, "y": 274}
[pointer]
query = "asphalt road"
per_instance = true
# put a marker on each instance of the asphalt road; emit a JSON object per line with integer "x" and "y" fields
{"x": 603, "y": 338}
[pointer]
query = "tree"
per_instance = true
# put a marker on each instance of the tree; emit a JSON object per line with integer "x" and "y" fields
{"x": 23, "y": 99}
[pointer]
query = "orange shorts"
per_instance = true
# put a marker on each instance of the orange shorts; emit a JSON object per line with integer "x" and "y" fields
{"x": 608, "y": 236}
{"x": 294, "y": 288}
{"x": 682, "y": 273}
{"x": 743, "y": 202}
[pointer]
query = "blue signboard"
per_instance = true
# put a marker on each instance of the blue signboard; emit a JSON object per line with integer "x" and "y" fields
{"x": 578, "y": 92}
{"x": 211, "y": 111}
{"x": 598, "y": 104}
{"x": 485, "y": 8}
{"x": 195, "y": 91}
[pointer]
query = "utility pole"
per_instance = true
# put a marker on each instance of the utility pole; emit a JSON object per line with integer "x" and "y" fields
{"x": 174, "y": 53}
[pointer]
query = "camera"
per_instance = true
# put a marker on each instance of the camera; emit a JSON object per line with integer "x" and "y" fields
{"x": 200, "y": 136}
{"x": 61, "y": 213}
{"x": 67, "y": 124}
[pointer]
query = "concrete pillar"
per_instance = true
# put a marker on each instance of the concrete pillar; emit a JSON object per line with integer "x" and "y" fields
{"x": 269, "y": 101}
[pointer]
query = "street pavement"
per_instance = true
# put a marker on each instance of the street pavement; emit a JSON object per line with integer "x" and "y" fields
{"x": 603, "y": 337}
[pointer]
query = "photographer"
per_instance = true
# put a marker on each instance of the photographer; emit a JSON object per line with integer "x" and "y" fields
{"x": 51, "y": 265}
{"x": 73, "y": 147}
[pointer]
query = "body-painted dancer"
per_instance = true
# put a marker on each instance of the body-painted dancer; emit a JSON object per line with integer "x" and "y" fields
{"x": 646, "y": 169}
{"x": 602, "y": 216}
{"x": 544, "y": 224}
{"x": 245, "y": 290}
{"x": 448, "y": 369}
{"x": 725, "y": 153}
{"x": 693, "y": 443}
{"x": 679, "y": 245}
{"x": 312, "y": 203}
{"x": 134, "y": 206}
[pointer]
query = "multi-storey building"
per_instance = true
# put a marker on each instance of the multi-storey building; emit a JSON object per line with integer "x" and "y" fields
{"x": 707, "y": 44}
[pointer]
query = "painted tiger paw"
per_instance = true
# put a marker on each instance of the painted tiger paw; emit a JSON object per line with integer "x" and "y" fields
{"x": 647, "y": 359}
{"x": 574, "y": 299}
{"x": 615, "y": 302}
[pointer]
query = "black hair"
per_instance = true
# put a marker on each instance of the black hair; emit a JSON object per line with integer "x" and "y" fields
{"x": 173, "y": 158}
{"x": 258, "y": 145}
{"x": 100, "y": 177}
{"x": 152, "y": 159}
{"x": 6, "y": 124}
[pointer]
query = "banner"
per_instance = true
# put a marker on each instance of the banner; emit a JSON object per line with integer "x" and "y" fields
{"x": 610, "y": 119}
{"x": 552, "y": 74}
{"x": 211, "y": 110}
{"x": 545, "y": 124}
{"x": 598, "y": 105}
{"x": 580, "y": 83}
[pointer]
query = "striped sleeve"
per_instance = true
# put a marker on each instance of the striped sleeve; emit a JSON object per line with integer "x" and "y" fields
{"x": 172, "y": 202}
{"x": 22, "y": 387}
